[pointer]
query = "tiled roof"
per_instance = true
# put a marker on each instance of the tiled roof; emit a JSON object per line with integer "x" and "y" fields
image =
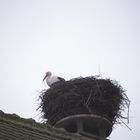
{"x": 13, "y": 127}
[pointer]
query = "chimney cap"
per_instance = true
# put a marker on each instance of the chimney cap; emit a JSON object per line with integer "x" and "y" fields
{"x": 86, "y": 124}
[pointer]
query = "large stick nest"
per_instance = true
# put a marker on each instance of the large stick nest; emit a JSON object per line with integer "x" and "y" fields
{"x": 90, "y": 95}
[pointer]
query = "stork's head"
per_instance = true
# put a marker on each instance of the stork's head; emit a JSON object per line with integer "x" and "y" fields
{"x": 47, "y": 74}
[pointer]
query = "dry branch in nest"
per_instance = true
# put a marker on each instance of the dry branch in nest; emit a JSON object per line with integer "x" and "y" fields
{"x": 90, "y": 95}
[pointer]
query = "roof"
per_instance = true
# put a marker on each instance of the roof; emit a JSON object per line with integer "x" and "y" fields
{"x": 13, "y": 127}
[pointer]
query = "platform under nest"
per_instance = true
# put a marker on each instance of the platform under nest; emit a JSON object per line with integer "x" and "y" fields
{"x": 89, "y": 95}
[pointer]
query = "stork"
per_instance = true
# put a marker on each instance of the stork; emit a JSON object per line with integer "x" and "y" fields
{"x": 50, "y": 80}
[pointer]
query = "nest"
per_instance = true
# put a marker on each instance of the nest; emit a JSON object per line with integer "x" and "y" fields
{"x": 90, "y": 95}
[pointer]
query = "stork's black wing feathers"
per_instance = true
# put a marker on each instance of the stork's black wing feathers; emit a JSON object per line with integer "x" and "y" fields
{"x": 61, "y": 79}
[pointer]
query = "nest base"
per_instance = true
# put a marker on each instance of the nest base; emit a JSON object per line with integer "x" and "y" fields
{"x": 87, "y": 124}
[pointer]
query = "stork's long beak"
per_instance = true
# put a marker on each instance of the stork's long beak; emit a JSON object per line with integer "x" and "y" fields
{"x": 45, "y": 77}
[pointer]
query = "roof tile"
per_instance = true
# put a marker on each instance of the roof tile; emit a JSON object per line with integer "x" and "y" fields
{"x": 13, "y": 127}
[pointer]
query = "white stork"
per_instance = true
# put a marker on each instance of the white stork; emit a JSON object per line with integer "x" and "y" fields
{"x": 50, "y": 80}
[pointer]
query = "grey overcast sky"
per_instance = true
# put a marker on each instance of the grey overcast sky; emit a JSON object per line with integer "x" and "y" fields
{"x": 71, "y": 38}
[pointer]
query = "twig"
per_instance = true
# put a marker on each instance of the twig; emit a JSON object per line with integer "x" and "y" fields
{"x": 125, "y": 125}
{"x": 89, "y": 98}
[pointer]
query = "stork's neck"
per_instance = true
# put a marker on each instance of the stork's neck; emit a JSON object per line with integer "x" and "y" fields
{"x": 48, "y": 77}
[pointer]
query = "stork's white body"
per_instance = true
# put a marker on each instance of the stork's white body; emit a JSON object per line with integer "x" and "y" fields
{"x": 51, "y": 80}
